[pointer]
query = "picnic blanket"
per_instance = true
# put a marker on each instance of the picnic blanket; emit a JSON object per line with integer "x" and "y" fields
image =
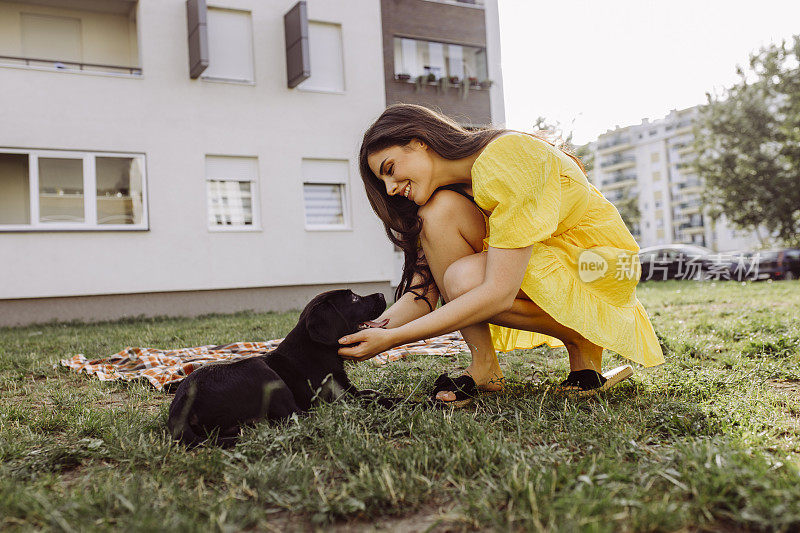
{"x": 164, "y": 369}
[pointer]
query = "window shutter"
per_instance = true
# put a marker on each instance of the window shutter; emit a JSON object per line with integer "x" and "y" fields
{"x": 323, "y": 204}
{"x": 198, "y": 37}
{"x": 298, "y": 63}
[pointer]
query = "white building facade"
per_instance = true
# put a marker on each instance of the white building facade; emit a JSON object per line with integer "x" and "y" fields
{"x": 649, "y": 165}
{"x": 163, "y": 157}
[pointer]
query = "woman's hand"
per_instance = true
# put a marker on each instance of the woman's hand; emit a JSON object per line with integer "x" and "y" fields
{"x": 368, "y": 343}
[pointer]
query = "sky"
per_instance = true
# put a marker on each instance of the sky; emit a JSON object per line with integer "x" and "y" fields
{"x": 591, "y": 65}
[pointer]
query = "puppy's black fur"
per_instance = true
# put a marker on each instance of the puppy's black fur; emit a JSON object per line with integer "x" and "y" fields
{"x": 216, "y": 400}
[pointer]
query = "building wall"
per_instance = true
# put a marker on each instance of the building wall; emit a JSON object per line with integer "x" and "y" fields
{"x": 185, "y": 303}
{"x": 175, "y": 122}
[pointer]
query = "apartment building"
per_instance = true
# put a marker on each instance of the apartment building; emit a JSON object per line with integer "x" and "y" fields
{"x": 184, "y": 157}
{"x": 645, "y": 170}
{"x": 445, "y": 55}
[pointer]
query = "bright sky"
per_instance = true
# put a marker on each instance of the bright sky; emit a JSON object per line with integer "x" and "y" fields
{"x": 595, "y": 64}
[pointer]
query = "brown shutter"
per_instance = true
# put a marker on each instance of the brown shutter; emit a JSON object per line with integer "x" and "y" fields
{"x": 198, "y": 37}
{"x": 298, "y": 63}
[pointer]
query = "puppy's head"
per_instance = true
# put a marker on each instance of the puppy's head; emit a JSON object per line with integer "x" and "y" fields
{"x": 334, "y": 314}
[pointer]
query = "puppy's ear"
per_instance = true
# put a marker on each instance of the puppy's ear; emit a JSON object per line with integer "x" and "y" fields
{"x": 324, "y": 325}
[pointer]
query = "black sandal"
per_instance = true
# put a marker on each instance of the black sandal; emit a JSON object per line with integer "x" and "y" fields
{"x": 589, "y": 382}
{"x": 463, "y": 387}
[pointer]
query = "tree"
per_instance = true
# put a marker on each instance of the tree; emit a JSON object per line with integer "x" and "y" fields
{"x": 747, "y": 142}
{"x": 628, "y": 207}
{"x": 556, "y": 134}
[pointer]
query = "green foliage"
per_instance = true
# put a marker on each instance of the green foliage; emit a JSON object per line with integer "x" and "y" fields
{"x": 747, "y": 142}
{"x": 628, "y": 208}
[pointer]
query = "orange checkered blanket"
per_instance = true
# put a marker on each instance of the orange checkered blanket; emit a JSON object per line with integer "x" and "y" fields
{"x": 166, "y": 368}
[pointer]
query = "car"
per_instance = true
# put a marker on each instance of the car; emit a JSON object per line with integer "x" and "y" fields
{"x": 678, "y": 261}
{"x": 778, "y": 263}
{"x": 743, "y": 266}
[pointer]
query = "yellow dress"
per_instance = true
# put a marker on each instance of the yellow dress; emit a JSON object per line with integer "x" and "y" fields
{"x": 584, "y": 265}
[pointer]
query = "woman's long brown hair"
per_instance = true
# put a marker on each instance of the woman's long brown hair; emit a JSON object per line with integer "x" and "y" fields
{"x": 397, "y": 126}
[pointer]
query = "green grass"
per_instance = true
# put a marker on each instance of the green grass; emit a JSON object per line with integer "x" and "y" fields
{"x": 708, "y": 441}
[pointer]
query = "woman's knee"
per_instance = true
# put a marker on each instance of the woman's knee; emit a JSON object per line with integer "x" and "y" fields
{"x": 447, "y": 209}
{"x": 464, "y": 275}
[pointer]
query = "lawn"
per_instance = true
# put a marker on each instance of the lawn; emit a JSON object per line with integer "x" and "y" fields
{"x": 707, "y": 441}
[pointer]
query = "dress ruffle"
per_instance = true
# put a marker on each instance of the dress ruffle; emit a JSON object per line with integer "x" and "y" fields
{"x": 557, "y": 289}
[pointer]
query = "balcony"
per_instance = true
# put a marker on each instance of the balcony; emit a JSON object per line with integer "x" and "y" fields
{"x": 441, "y": 65}
{"x": 78, "y": 36}
{"x": 617, "y": 162}
{"x": 684, "y": 126}
{"x": 686, "y": 208}
{"x": 615, "y": 144}
{"x": 692, "y": 185}
{"x": 618, "y": 194}
{"x": 620, "y": 180}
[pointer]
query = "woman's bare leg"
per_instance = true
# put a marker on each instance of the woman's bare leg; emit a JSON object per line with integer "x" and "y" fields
{"x": 453, "y": 228}
{"x": 452, "y": 236}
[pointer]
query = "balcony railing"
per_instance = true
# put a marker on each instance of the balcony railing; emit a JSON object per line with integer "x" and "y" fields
{"x": 72, "y": 65}
{"x": 689, "y": 205}
{"x": 614, "y": 142}
{"x": 620, "y": 177}
{"x": 617, "y": 160}
{"x": 690, "y": 183}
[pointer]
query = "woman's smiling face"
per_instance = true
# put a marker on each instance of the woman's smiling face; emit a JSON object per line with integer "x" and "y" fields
{"x": 405, "y": 170}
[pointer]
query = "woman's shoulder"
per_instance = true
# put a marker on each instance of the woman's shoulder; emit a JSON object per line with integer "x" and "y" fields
{"x": 515, "y": 142}
{"x": 511, "y": 147}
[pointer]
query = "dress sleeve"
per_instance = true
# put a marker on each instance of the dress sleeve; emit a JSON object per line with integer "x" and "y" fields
{"x": 520, "y": 182}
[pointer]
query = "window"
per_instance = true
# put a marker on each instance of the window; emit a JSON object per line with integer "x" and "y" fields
{"x": 231, "y": 188}
{"x": 416, "y": 58}
{"x": 660, "y": 233}
{"x": 656, "y": 175}
{"x": 657, "y": 195}
{"x": 326, "y": 58}
{"x": 655, "y": 157}
{"x": 59, "y": 190}
{"x": 325, "y": 194}
{"x": 230, "y": 46}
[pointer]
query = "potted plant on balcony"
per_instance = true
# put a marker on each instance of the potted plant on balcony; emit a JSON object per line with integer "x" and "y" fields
{"x": 444, "y": 84}
{"x": 464, "y": 90}
{"x": 485, "y": 84}
{"x": 454, "y": 80}
{"x": 403, "y": 76}
{"x": 473, "y": 82}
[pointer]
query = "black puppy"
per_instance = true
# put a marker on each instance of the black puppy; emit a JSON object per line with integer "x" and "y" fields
{"x": 216, "y": 400}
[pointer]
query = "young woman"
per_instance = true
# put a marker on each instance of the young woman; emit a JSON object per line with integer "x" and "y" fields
{"x": 509, "y": 232}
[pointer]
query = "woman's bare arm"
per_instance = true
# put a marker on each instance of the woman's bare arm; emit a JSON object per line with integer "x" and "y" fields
{"x": 408, "y": 308}
{"x": 505, "y": 270}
